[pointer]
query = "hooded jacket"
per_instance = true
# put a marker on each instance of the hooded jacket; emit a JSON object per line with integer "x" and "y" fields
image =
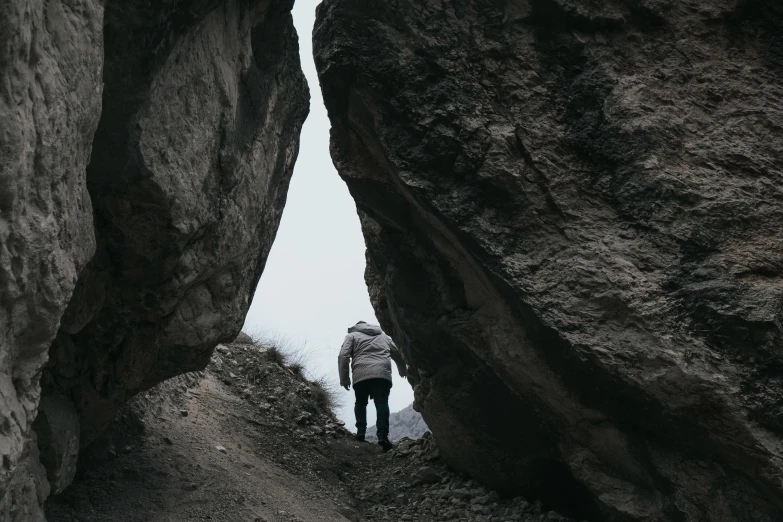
{"x": 369, "y": 352}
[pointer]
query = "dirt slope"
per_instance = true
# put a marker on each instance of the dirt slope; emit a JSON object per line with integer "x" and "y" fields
{"x": 283, "y": 457}
{"x": 174, "y": 472}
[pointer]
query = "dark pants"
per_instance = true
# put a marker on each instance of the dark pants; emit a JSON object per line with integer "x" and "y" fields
{"x": 379, "y": 390}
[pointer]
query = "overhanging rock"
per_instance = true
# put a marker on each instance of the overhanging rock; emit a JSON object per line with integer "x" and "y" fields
{"x": 573, "y": 217}
{"x": 146, "y": 151}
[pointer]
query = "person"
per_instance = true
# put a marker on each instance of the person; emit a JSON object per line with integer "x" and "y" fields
{"x": 369, "y": 352}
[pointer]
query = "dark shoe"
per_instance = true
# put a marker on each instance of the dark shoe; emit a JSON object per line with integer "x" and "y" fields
{"x": 385, "y": 444}
{"x": 360, "y": 436}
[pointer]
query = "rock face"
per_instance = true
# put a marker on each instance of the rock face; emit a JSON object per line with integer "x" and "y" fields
{"x": 144, "y": 244}
{"x": 404, "y": 423}
{"x": 573, "y": 218}
{"x": 50, "y": 101}
{"x": 190, "y": 167}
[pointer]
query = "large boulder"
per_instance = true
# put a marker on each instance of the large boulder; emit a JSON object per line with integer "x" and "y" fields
{"x": 202, "y": 108}
{"x": 51, "y": 61}
{"x": 139, "y": 250}
{"x": 573, "y": 216}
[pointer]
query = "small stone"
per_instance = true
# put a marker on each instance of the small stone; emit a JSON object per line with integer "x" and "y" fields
{"x": 183, "y": 412}
{"x": 483, "y": 500}
{"x": 462, "y": 493}
{"x": 221, "y": 449}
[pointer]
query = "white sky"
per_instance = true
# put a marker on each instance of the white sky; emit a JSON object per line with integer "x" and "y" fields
{"x": 313, "y": 287}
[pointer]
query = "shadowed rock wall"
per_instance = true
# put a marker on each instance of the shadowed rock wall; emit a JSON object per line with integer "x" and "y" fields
{"x": 573, "y": 217}
{"x": 156, "y": 246}
{"x": 51, "y": 64}
{"x": 191, "y": 162}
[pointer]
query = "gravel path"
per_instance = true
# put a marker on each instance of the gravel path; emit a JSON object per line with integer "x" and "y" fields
{"x": 203, "y": 466}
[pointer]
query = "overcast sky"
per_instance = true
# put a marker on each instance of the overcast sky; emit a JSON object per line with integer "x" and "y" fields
{"x": 313, "y": 287}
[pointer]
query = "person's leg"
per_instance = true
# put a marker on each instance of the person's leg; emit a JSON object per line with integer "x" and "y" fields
{"x": 381, "y": 389}
{"x": 362, "y": 392}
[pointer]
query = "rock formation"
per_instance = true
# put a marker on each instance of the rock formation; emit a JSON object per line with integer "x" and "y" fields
{"x": 50, "y": 100}
{"x": 573, "y": 217}
{"x": 144, "y": 242}
{"x": 404, "y": 423}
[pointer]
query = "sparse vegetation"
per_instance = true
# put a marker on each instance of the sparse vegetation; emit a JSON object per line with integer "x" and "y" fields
{"x": 325, "y": 394}
{"x": 296, "y": 358}
{"x": 297, "y": 368}
{"x": 254, "y": 376}
{"x": 275, "y": 354}
{"x": 282, "y": 351}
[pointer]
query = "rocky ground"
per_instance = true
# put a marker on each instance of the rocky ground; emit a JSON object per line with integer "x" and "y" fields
{"x": 251, "y": 439}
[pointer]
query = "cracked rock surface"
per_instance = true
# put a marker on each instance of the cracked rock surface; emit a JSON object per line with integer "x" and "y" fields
{"x": 572, "y": 213}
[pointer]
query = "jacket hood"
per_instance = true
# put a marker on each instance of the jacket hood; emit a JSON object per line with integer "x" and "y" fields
{"x": 365, "y": 328}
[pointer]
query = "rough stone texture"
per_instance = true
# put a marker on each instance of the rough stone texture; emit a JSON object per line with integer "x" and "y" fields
{"x": 573, "y": 215}
{"x": 148, "y": 257}
{"x": 202, "y": 108}
{"x": 51, "y": 56}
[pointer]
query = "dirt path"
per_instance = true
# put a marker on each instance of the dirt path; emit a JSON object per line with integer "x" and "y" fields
{"x": 250, "y": 439}
{"x": 175, "y": 473}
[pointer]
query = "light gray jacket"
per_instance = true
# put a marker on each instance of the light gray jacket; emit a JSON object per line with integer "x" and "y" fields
{"x": 369, "y": 352}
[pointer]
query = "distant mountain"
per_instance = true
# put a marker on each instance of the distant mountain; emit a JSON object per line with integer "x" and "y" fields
{"x": 404, "y": 423}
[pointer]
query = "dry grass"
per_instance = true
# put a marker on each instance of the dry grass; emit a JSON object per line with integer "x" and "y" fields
{"x": 297, "y": 359}
{"x": 325, "y": 394}
{"x": 298, "y": 369}
{"x": 275, "y": 354}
